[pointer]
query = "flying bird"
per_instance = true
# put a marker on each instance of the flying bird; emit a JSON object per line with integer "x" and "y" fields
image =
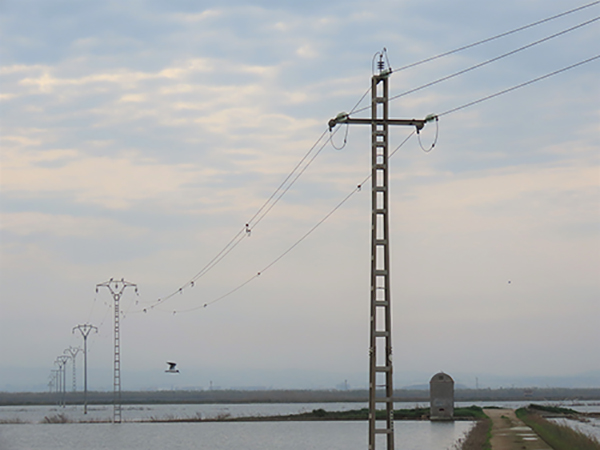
{"x": 172, "y": 368}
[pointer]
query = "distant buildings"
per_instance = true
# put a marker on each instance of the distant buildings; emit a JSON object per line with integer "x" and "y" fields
{"x": 441, "y": 397}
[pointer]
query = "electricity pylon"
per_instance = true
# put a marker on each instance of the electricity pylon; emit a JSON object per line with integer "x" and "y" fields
{"x": 85, "y": 330}
{"x": 62, "y": 367}
{"x": 116, "y": 288}
{"x": 53, "y": 385}
{"x": 72, "y": 352}
{"x": 380, "y": 348}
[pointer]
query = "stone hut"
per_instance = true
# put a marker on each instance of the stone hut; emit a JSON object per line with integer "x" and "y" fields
{"x": 441, "y": 397}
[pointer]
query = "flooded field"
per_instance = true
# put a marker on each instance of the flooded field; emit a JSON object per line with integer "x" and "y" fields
{"x": 21, "y": 428}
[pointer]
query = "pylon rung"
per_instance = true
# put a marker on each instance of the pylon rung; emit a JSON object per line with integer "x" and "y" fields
{"x": 383, "y": 430}
{"x": 383, "y": 369}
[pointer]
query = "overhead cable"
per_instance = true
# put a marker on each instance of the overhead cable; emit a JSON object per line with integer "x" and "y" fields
{"x": 267, "y": 206}
{"x": 489, "y": 61}
{"x": 518, "y": 86}
{"x": 498, "y": 36}
{"x": 358, "y": 188}
{"x": 293, "y": 176}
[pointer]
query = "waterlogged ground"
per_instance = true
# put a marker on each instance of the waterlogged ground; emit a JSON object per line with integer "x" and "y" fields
{"x": 134, "y": 434}
{"x": 410, "y": 435}
{"x": 36, "y": 414}
{"x": 590, "y": 426}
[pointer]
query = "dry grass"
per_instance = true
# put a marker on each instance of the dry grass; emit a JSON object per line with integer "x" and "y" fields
{"x": 559, "y": 437}
{"x": 14, "y": 421}
{"x": 57, "y": 418}
{"x": 478, "y": 438}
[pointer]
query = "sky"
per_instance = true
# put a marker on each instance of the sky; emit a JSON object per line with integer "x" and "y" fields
{"x": 139, "y": 137}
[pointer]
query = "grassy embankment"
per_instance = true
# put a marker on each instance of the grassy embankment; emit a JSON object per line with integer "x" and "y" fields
{"x": 468, "y": 413}
{"x": 559, "y": 437}
{"x": 478, "y": 438}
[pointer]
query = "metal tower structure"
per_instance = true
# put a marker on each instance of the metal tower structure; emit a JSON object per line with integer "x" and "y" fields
{"x": 62, "y": 377}
{"x": 381, "y": 390}
{"x": 85, "y": 330}
{"x": 72, "y": 352}
{"x": 53, "y": 385}
{"x": 116, "y": 288}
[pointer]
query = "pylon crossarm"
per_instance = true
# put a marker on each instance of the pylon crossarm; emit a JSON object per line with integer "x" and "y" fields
{"x": 342, "y": 118}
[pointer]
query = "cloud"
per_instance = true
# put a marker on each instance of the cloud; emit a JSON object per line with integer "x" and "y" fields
{"x": 112, "y": 183}
{"x": 61, "y": 225}
{"x": 137, "y": 138}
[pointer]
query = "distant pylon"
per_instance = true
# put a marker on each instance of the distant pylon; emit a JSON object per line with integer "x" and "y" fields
{"x": 62, "y": 367}
{"x": 72, "y": 352}
{"x": 85, "y": 331}
{"x": 116, "y": 288}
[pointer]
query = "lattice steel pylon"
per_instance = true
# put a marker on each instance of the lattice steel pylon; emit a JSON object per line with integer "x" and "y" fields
{"x": 116, "y": 288}
{"x": 85, "y": 330}
{"x": 381, "y": 390}
{"x": 72, "y": 352}
{"x": 62, "y": 367}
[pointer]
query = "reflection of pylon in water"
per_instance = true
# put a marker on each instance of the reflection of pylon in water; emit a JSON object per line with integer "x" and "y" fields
{"x": 380, "y": 349}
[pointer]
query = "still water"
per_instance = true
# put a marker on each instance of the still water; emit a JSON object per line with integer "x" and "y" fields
{"x": 224, "y": 436}
{"x": 30, "y": 434}
{"x": 591, "y": 426}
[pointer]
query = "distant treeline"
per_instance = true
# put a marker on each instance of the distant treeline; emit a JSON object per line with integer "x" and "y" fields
{"x": 293, "y": 396}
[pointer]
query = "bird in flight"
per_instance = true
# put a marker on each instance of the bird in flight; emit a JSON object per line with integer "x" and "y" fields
{"x": 172, "y": 368}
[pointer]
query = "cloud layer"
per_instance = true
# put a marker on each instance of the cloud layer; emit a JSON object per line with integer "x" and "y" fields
{"x": 138, "y": 137}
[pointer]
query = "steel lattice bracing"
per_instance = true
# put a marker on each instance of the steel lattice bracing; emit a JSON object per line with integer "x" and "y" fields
{"x": 117, "y": 364}
{"x": 381, "y": 389}
{"x": 85, "y": 332}
{"x": 116, "y": 288}
{"x": 72, "y": 352}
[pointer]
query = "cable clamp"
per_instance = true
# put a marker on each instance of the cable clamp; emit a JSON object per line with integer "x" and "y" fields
{"x": 341, "y": 117}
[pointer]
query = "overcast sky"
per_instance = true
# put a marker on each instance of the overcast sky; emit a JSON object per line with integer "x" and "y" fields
{"x": 138, "y": 137}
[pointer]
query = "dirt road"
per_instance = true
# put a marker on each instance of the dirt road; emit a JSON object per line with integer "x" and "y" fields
{"x": 510, "y": 433}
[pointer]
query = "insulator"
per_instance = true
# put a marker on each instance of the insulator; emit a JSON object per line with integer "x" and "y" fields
{"x": 380, "y": 63}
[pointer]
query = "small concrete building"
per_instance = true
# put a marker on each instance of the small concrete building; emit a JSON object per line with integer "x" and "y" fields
{"x": 441, "y": 397}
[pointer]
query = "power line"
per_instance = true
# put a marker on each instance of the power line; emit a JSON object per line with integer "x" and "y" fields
{"x": 483, "y": 41}
{"x": 504, "y": 55}
{"x": 359, "y": 186}
{"x": 267, "y": 206}
{"x": 297, "y": 171}
{"x": 489, "y": 61}
{"x": 296, "y": 243}
{"x": 518, "y": 86}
